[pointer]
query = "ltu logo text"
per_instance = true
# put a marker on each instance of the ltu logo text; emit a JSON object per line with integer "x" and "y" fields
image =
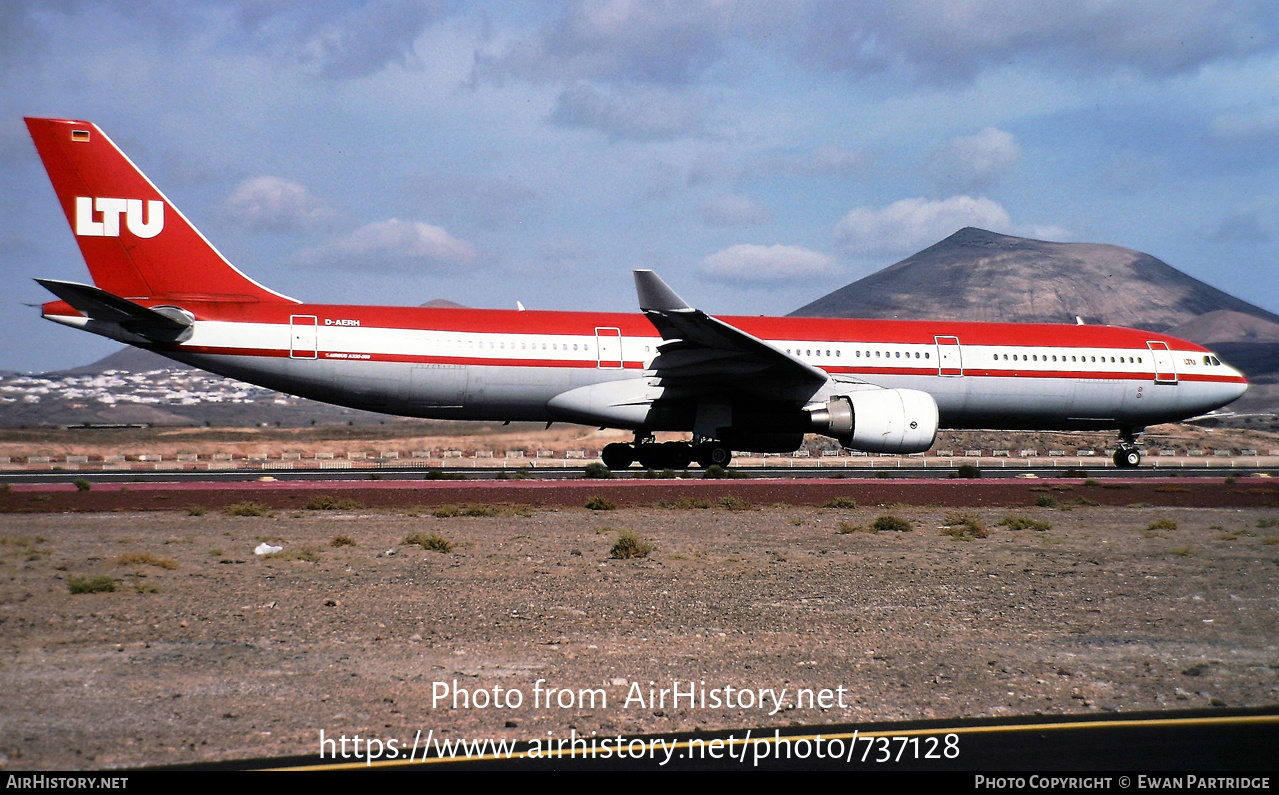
{"x": 111, "y": 210}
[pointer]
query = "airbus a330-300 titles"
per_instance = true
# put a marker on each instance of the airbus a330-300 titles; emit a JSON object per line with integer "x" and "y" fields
{"x": 734, "y": 383}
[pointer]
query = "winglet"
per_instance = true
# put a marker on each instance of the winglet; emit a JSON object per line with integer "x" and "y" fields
{"x": 654, "y": 294}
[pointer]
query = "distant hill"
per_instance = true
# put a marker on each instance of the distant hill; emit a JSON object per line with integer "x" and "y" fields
{"x": 128, "y": 359}
{"x": 1225, "y": 325}
{"x": 979, "y": 275}
{"x": 443, "y": 303}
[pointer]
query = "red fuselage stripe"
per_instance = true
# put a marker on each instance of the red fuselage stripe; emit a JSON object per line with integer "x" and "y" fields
{"x": 804, "y": 331}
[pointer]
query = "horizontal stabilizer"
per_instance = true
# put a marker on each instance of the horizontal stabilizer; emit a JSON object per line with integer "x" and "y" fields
{"x": 96, "y": 304}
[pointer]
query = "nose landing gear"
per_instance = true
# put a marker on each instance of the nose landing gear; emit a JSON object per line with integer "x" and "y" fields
{"x": 1128, "y": 454}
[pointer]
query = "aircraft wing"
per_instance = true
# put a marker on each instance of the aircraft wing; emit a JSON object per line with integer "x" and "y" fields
{"x": 702, "y": 354}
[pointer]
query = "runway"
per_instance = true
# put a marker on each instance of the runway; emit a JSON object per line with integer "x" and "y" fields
{"x": 417, "y": 473}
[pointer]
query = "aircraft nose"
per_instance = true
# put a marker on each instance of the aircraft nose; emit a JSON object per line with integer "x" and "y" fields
{"x": 1233, "y": 390}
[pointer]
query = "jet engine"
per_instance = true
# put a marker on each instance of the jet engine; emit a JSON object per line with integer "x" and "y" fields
{"x": 879, "y": 420}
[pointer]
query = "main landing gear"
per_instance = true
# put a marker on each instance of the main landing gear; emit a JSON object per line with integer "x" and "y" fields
{"x": 667, "y": 455}
{"x": 1128, "y": 454}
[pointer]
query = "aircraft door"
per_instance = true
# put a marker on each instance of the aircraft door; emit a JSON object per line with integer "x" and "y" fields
{"x": 608, "y": 347}
{"x": 949, "y": 361}
{"x": 1165, "y": 365}
{"x": 303, "y": 337}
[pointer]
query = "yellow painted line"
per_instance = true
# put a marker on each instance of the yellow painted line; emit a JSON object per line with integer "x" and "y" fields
{"x": 858, "y": 734}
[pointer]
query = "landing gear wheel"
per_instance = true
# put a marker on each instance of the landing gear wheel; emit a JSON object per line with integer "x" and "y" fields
{"x": 678, "y": 455}
{"x": 714, "y": 454}
{"x": 1127, "y": 457}
{"x": 651, "y": 456}
{"x": 618, "y": 455}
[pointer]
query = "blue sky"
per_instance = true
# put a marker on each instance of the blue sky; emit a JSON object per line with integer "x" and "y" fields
{"x": 756, "y": 154}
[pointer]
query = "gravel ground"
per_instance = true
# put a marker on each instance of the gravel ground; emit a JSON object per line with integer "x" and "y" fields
{"x": 207, "y": 652}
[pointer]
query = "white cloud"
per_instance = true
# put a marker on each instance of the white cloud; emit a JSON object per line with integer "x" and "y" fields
{"x": 367, "y": 40}
{"x": 339, "y": 40}
{"x": 627, "y": 112}
{"x": 676, "y": 42}
{"x": 754, "y": 265}
{"x": 271, "y": 204}
{"x": 390, "y": 245}
{"x": 973, "y": 162}
{"x": 667, "y": 42}
{"x": 909, "y": 225}
{"x": 733, "y": 210}
{"x": 949, "y": 40}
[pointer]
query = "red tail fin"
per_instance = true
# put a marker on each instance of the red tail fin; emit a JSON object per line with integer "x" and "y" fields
{"x": 135, "y": 242}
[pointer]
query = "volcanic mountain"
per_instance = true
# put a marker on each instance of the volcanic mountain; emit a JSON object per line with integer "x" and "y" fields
{"x": 979, "y": 275}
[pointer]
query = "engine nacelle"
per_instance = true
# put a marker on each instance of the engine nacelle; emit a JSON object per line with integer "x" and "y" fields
{"x": 880, "y": 420}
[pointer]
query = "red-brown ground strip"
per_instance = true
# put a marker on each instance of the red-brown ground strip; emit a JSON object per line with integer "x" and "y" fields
{"x": 294, "y": 495}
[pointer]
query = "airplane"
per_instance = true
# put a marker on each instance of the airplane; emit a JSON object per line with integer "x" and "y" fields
{"x": 734, "y": 383}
